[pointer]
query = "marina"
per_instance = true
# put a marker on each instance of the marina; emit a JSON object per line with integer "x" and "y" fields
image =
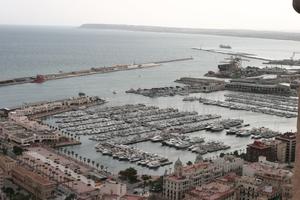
{"x": 116, "y": 129}
{"x": 129, "y": 123}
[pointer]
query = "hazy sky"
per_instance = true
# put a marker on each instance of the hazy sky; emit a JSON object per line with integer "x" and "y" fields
{"x": 236, "y": 14}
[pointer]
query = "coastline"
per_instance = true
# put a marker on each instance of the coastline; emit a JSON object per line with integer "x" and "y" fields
{"x": 244, "y": 33}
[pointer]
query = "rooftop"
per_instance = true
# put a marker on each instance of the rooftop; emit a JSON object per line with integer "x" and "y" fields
{"x": 259, "y": 145}
{"x": 212, "y": 191}
{"x": 265, "y": 169}
{"x": 287, "y": 136}
{"x": 6, "y": 159}
{"x": 33, "y": 176}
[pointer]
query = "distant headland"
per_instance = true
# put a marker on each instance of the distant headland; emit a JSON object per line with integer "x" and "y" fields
{"x": 225, "y": 32}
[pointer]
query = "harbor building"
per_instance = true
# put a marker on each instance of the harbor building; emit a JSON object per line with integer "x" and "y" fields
{"x": 113, "y": 190}
{"x": 19, "y": 134}
{"x": 184, "y": 178}
{"x": 229, "y": 163}
{"x": 259, "y": 148}
{"x": 7, "y": 164}
{"x": 278, "y": 148}
{"x": 40, "y": 187}
{"x": 271, "y": 174}
{"x": 251, "y": 188}
{"x": 241, "y": 86}
{"x": 289, "y": 139}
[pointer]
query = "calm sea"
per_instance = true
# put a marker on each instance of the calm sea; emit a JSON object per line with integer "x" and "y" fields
{"x": 27, "y": 51}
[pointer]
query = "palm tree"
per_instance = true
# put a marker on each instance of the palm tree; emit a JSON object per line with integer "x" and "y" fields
{"x": 80, "y": 158}
{"x": 97, "y": 165}
{"x": 93, "y": 162}
{"x": 76, "y": 155}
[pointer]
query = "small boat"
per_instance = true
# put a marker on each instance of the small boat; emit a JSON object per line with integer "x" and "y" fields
{"x": 217, "y": 128}
{"x": 208, "y": 127}
{"x": 256, "y": 137}
{"x": 244, "y": 133}
{"x": 157, "y": 138}
{"x": 182, "y": 145}
{"x": 81, "y": 94}
{"x": 153, "y": 164}
{"x": 106, "y": 152}
{"x": 231, "y": 131}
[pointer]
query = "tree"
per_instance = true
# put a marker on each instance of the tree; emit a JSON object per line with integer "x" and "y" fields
{"x": 222, "y": 155}
{"x": 129, "y": 174}
{"x": 4, "y": 150}
{"x": 71, "y": 197}
{"x": 17, "y": 150}
{"x": 236, "y": 153}
{"x": 145, "y": 178}
{"x": 189, "y": 163}
{"x": 9, "y": 191}
{"x": 157, "y": 185}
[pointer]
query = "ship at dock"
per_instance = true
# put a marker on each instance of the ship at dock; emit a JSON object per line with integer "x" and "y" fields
{"x": 224, "y": 46}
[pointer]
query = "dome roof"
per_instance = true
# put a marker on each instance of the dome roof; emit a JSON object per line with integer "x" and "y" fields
{"x": 199, "y": 158}
{"x": 178, "y": 163}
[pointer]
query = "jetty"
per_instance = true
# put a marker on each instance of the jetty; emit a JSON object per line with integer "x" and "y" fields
{"x": 240, "y": 54}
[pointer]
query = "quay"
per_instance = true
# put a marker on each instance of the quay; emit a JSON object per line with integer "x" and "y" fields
{"x": 192, "y": 85}
{"x": 91, "y": 71}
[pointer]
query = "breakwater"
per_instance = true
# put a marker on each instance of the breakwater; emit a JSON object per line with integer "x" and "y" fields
{"x": 91, "y": 71}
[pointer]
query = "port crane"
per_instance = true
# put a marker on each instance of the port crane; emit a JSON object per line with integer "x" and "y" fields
{"x": 293, "y": 55}
{"x": 235, "y": 61}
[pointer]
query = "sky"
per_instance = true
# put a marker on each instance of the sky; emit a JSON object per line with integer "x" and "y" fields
{"x": 222, "y": 14}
